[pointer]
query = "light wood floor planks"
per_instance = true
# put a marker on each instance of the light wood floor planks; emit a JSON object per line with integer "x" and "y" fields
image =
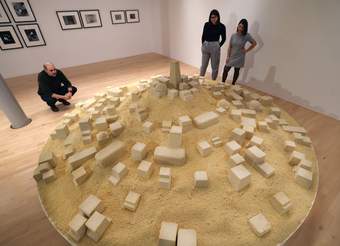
{"x": 22, "y": 221}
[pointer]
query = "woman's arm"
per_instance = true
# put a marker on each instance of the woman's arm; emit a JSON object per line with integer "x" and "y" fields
{"x": 229, "y": 50}
{"x": 204, "y": 32}
{"x": 252, "y": 46}
{"x": 223, "y": 35}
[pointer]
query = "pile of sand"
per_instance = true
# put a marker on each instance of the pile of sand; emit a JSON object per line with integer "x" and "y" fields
{"x": 218, "y": 213}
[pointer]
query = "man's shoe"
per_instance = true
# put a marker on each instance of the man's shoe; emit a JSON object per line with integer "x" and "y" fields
{"x": 54, "y": 108}
{"x": 64, "y": 102}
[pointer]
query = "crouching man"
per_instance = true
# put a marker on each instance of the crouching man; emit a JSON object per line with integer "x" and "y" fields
{"x": 54, "y": 86}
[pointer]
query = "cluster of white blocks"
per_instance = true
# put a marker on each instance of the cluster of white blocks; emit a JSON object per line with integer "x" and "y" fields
{"x": 256, "y": 157}
{"x": 131, "y": 201}
{"x": 165, "y": 178}
{"x": 118, "y": 172}
{"x": 169, "y": 234}
{"x": 89, "y": 221}
{"x": 44, "y": 170}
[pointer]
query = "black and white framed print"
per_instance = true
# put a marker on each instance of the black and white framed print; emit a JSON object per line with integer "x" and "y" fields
{"x": 132, "y": 16}
{"x": 3, "y": 15}
{"x": 20, "y": 10}
{"x": 9, "y": 39}
{"x": 118, "y": 16}
{"x": 90, "y": 18}
{"x": 31, "y": 34}
{"x": 69, "y": 19}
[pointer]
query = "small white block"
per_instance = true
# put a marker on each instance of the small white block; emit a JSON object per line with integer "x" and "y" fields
{"x": 91, "y": 204}
{"x": 186, "y": 237}
{"x": 101, "y": 124}
{"x": 239, "y": 177}
{"x": 265, "y": 169}
{"x": 237, "y": 159}
{"x": 306, "y": 164}
{"x": 138, "y": 151}
{"x": 256, "y": 141}
{"x": 148, "y": 127}
{"x": 168, "y": 234}
{"x": 281, "y": 202}
{"x": 49, "y": 176}
{"x": 119, "y": 170}
{"x": 77, "y": 227}
{"x": 238, "y": 135}
{"x": 175, "y": 137}
{"x": 97, "y": 225}
{"x": 255, "y": 155}
{"x": 145, "y": 169}
{"x": 304, "y": 177}
{"x": 295, "y": 158}
{"x": 201, "y": 179}
{"x": 131, "y": 201}
{"x": 204, "y": 148}
{"x": 116, "y": 128}
{"x": 289, "y": 146}
{"x": 259, "y": 224}
{"x": 232, "y": 147}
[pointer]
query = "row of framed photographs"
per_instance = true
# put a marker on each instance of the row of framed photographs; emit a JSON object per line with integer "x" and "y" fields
{"x": 30, "y": 33}
{"x": 20, "y": 11}
{"x": 77, "y": 19}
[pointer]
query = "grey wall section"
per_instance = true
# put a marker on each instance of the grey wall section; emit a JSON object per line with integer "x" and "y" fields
{"x": 298, "y": 56}
{"x": 76, "y": 47}
{"x": 10, "y": 106}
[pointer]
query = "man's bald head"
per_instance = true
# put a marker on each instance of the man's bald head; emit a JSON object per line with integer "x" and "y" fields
{"x": 50, "y": 69}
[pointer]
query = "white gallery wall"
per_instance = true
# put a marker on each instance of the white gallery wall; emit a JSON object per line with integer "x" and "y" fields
{"x": 298, "y": 56}
{"x": 83, "y": 46}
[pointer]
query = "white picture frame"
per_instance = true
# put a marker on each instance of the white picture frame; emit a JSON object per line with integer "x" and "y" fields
{"x": 4, "y": 19}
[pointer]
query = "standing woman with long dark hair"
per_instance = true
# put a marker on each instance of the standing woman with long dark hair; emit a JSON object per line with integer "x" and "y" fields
{"x": 237, "y": 51}
{"x": 211, "y": 44}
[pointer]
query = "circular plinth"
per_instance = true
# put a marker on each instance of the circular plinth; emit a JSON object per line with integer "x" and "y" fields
{"x": 218, "y": 213}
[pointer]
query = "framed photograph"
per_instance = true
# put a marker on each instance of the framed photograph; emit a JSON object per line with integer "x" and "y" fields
{"x": 3, "y": 15}
{"x": 118, "y": 16}
{"x": 20, "y": 10}
{"x": 9, "y": 39}
{"x": 31, "y": 34}
{"x": 91, "y": 18}
{"x": 69, "y": 19}
{"x": 132, "y": 16}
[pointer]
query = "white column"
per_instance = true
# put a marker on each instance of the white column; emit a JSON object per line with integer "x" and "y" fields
{"x": 10, "y": 106}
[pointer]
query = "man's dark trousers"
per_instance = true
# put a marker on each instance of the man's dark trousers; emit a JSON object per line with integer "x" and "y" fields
{"x": 62, "y": 91}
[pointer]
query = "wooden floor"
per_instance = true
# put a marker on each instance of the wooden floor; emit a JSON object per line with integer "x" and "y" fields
{"x": 22, "y": 221}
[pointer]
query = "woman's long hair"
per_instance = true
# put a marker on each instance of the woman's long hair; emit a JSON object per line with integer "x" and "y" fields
{"x": 216, "y": 13}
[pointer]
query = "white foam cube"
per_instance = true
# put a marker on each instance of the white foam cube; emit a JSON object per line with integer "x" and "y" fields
{"x": 204, "y": 148}
{"x": 259, "y": 224}
{"x": 131, "y": 201}
{"x": 145, "y": 169}
{"x": 175, "y": 137}
{"x": 238, "y": 135}
{"x": 77, "y": 227}
{"x": 97, "y": 225}
{"x": 148, "y": 127}
{"x": 281, "y": 202}
{"x": 232, "y": 147}
{"x": 91, "y": 204}
{"x": 295, "y": 158}
{"x": 186, "y": 237}
{"x": 201, "y": 179}
{"x": 239, "y": 177}
{"x": 304, "y": 177}
{"x": 289, "y": 146}
{"x": 168, "y": 234}
{"x": 237, "y": 159}
{"x": 138, "y": 152}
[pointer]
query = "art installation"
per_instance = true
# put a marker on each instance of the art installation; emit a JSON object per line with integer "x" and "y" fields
{"x": 177, "y": 160}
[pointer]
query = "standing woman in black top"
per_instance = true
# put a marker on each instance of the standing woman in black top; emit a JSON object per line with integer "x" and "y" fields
{"x": 211, "y": 44}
